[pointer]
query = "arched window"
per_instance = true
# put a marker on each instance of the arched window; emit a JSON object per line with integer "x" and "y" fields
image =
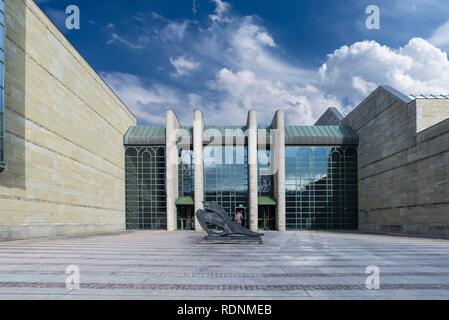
{"x": 321, "y": 187}
{"x": 145, "y": 188}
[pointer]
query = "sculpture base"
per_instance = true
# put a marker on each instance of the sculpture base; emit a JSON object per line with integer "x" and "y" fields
{"x": 231, "y": 240}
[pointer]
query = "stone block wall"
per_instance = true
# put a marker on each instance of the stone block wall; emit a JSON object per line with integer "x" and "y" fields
{"x": 403, "y": 173}
{"x": 64, "y": 132}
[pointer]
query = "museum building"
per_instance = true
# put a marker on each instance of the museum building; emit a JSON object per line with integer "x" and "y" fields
{"x": 74, "y": 161}
{"x": 280, "y": 177}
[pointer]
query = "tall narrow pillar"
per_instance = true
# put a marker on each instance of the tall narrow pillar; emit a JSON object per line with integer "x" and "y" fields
{"x": 252, "y": 170}
{"x": 278, "y": 154}
{"x": 198, "y": 131}
{"x": 172, "y": 159}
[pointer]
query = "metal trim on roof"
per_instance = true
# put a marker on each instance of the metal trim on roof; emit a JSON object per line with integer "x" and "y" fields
{"x": 294, "y": 135}
{"x": 429, "y": 97}
{"x": 149, "y": 135}
{"x": 396, "y": 93}
{"x": 140, "y": 135}
{"x": 320, "y": 135}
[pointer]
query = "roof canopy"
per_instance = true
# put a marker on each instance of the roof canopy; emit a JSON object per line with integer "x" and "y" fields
{"x": 266, "y": 201}
{"x": 184, "y": 201}
{"x": 320, "y": 135}
{"x": 294, "y": 135}
{"x": 152, "y": 135}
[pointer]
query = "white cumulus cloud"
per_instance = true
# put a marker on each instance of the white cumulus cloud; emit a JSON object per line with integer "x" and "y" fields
{"x": 221, "y": 10}
{"x": 236, "y": 64}
{"x": 243, "y": 90}
{"x": 245, "y": 44}
{"x": 147, "y": 102}
{"x": 355, "y": 71}
{"x": 183, "y": 65}
{"x": 266, "y": 39}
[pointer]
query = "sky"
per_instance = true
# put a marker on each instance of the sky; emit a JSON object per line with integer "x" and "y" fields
{"x": 226, "y": 57}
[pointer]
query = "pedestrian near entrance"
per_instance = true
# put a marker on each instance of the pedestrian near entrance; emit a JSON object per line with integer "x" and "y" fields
{"x": 238, "y": 217}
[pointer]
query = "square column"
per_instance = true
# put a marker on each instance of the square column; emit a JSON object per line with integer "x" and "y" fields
{"x": 278, "y": 154}
{"x": 172, "y": 161}
{"x": 252, "y": 170}
{"x": 198, "y": 132}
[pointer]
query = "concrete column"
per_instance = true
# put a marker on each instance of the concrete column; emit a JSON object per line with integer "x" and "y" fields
{"x": 278, "y": 153}
{"x": 172, "y": 159}
{"x": 198, "y": 131}
{"x": 252, "y": 170}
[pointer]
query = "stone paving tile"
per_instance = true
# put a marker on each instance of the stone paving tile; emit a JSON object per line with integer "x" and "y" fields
{"x": 58, "y": 292}
{"x": 380, "y": 294}
{"x": 196, "y": 281}
{"x": 149, "y": 294}
{"x": 25, "y": 296}
{"x": 26, "y": 278}
{"x": 167, "y": 265}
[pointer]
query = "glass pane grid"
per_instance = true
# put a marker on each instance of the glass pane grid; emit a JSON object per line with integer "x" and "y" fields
{"x": 2, "y": 76}
{"x": 321, "y": 188}
{"x": 266, "y": 182}
{"x": 186, "y": 173}
{"x": 226, "y": 179}
{"x": 145, "y": 188}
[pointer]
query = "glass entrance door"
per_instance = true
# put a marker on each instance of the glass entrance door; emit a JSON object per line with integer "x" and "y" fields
{"x": 267, "y": 218}
{"x": 186, "y": 218}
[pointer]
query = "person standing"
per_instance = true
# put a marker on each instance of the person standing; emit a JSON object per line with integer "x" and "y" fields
{"x": 238, "y": 217}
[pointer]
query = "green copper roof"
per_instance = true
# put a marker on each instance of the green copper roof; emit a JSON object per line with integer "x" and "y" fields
{"x": 145, "y": 135}
{"x": 149, "y": 135}
{"x": 294, "y": 135}
{"x": 184, "y": 201}
{"x": 266, "y": 201}
{"x": 320, "y": 135}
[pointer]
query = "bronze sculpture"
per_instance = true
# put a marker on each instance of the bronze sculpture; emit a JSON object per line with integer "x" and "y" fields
{"x": 216, "y": 222}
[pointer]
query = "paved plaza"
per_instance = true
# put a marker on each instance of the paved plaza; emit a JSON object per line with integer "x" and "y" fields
{"x": 167, "y": 265}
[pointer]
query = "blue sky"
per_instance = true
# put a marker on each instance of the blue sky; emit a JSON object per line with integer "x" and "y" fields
{"x": 228, "y": 56}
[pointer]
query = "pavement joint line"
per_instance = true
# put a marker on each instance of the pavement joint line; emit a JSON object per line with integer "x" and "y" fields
{"x": 226, "y": 287}
{"x": 149, "y": 275}
{"x": 221, "y": 265}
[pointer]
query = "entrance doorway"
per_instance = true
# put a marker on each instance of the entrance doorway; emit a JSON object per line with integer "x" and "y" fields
{"x": 267, "y": 217}
{"x": 186, "y": 218}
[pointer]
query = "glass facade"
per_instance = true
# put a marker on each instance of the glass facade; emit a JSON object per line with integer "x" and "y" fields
{"x": 321, "y": 188}
{"x": 145, "y": 188}
{"x": 185, "y": 212}
{"x": 186, "y": 173}
{"x": 2, "y": 83}
{"x": 266, "y": 214}
{"x": 265, "y": 181}
{"x": 226, "y": 178}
